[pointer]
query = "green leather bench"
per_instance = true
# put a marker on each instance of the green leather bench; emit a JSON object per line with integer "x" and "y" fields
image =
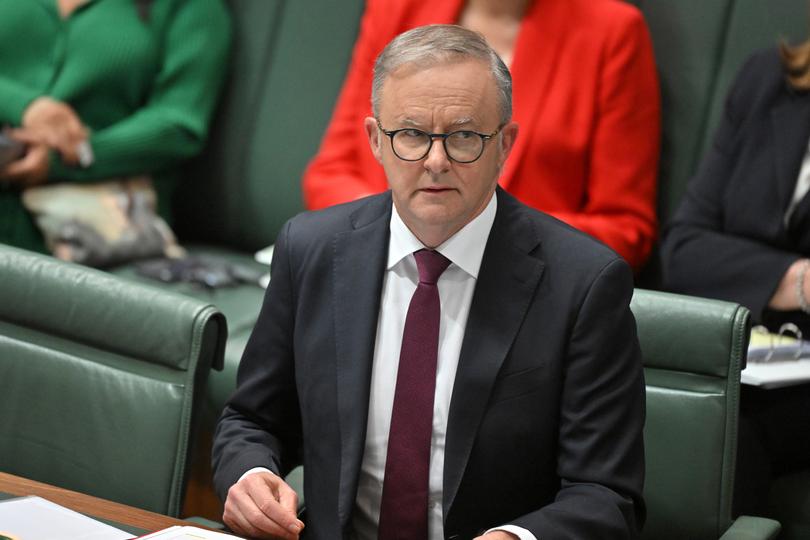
{"x": 100, "y": 380}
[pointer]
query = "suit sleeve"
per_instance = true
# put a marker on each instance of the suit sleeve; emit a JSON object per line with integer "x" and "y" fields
{"x": 623, "y": 160}
{"x": 173, "y": 124}
{"x": 336, "y": 174}
{"x": 260, "y": 425}
{"x": 699, "y": 256}
{"x": 600, "y": 446}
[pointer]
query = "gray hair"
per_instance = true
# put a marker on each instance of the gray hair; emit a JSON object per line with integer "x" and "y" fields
{"x": 429, "y": 45}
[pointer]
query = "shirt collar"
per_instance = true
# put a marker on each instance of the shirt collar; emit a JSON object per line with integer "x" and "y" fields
{"x": 465, "y": 249}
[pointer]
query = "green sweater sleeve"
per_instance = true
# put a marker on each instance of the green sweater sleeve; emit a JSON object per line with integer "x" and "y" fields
{"x": 14, "y": 98}
{"x": 173, "y": 124}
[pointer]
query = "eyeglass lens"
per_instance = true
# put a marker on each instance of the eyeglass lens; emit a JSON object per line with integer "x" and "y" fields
{"x": 462, "y": 146}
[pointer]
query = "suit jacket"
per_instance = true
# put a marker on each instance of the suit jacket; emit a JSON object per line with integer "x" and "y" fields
{"x": 728, "y": 239}
{"x": 586, "y": 98}
{"x": 545, "y": 421}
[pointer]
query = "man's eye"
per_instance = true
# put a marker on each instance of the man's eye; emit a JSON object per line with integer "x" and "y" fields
{"x": 414, "y": 133}
{"x": 463, "y": 135}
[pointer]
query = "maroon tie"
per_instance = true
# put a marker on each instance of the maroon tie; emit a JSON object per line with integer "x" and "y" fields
{"x": 404, "y": 505}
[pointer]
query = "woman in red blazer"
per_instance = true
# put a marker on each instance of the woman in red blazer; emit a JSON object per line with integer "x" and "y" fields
{"x": 585, "y": 95}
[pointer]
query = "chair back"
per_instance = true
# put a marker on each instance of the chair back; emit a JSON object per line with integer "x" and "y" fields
{"x": 287, "y": 66}
{"x": 99, "y": 378}
{"x": 693, "y": 352}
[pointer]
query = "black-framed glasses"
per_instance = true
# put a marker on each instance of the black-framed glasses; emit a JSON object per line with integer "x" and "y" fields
{"x": 463, "y": 146}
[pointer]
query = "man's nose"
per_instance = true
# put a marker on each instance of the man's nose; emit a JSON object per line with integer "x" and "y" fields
{"x": 437, "y": 161}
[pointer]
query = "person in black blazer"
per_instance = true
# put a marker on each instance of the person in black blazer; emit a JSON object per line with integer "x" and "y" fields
{"x": 544, "y": 428}
{"x": 742, "y": 233}
{"x": 731, "y": 237}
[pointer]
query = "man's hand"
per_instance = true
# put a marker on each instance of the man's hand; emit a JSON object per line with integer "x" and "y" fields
{"x": 29, "y": 170}
{"x": 497, "y": 535}
{"x": 262, "y": 505}
{"x": 57, "y": 125}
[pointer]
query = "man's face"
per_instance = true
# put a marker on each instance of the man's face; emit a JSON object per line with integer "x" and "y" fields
{"x": 436, "y": 196}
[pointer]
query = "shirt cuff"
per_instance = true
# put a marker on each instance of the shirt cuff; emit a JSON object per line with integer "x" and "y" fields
{"x": 265, "y": 469}
{"x": 520, "y": 532}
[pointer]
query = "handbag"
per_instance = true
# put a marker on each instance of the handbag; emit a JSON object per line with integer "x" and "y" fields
{"x": 102, "y": 224}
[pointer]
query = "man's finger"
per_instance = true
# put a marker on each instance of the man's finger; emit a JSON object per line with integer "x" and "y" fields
{"x": 268, "y": 502}
{"x": 241, "y": 510}
{"x": 288, "y": 498}
{"x": 240, "y": 524}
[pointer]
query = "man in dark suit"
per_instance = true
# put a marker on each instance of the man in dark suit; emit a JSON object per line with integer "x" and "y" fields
{"x": 444, "y": 361}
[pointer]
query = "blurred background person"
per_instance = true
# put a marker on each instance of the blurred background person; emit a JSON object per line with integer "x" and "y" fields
{"x": 742, "y": 233}
{"x": 101, "y": 89}
{"x": 586, "y": 98}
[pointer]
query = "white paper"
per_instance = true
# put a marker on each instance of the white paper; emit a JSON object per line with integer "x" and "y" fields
{"x": 188, "y": 533}
{"x": 776, "y": 374}
{"x": 265, "y": 256}
{"x": 34, "y": 518}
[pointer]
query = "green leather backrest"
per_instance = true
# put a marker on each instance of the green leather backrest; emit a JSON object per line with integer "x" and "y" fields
{"x": 687, "y": 36}
{"x": 99, "y": 379}
{"x": 693, "y": 350}
{"x": 289, "y": 60}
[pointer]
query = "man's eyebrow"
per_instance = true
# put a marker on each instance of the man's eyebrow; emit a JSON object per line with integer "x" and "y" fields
{"x": 462, "y": 121}
{"x": 459, "y": 122}
{"x": 409, "y": 122}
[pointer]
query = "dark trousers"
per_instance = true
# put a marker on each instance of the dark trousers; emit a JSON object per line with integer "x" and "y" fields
{"x": 774, "y": 439}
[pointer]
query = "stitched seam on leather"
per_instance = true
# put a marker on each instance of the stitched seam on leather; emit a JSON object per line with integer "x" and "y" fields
{"x": 733, "y": 388}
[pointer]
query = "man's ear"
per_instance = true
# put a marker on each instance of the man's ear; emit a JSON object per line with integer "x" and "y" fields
{"x": 509, "y": 134}
{"x": 374, "y": 139}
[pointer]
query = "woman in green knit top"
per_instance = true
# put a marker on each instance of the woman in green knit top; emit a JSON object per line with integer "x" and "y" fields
{"x": 137, "y": 80}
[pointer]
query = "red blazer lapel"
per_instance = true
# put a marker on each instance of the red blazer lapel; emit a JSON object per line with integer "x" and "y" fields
{"x": 540, "y": 38}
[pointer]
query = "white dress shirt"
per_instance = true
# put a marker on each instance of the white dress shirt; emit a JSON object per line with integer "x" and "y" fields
{"x": 802, "y": 186}
{"x": 465, "y": 250}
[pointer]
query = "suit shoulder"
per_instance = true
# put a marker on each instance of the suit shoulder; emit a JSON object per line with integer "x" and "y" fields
{"x": 575, "y": 265}
{"x": 757, "y": 83}
{"x": 318, "y": 226}
{"x": 574, "y": 246}
{"x": 566, "y": 247}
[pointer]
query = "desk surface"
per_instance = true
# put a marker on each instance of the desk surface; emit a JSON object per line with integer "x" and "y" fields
{"x": 88, "y": 505}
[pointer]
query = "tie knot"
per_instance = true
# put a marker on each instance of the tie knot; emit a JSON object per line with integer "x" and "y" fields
{"x": 430, "y": 264}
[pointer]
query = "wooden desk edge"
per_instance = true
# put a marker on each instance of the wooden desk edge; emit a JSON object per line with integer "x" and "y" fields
{"x": 87, "y": 504}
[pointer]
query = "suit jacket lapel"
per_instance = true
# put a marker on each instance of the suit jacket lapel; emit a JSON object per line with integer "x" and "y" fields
{"x": 506, "y": 283}
{"x": 359, "y": 267}
{"x": 790, "y": 124}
